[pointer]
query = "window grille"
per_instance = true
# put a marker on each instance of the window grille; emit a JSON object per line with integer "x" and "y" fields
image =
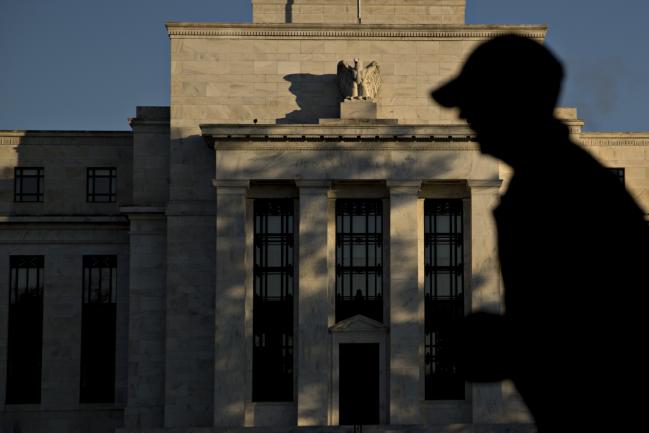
{"x": 359, "y": 259}
{"x": 28, "y": 184}
{"x": 101, "y": 184}
{"x": 619, "y": 173}
{"x": 25, "y": 333}
{"x": 444, "y": 295}
{"x": 273, "y": 300}
{"x": 98, "y": 329}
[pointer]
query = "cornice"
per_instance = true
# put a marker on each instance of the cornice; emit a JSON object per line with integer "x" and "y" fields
{"x": 348, "y": 31}
{"x": 150, "y": 126}
{"x": 334, "y": 137}
{"x": 614, "y": 139}
{"x": 476, "y": 184}
{"x": 142, "y": 210}
{"x": 118, "y": 220}
{"x": 66, "y": 137}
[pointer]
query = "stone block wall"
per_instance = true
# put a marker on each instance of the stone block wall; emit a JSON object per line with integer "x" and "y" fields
{"x": 232, "y": 74}
{"x": 372, "y": 11}
{"x": 63, "y": 245}
{"x": 64, "y": 228}
{"x": 150, "y": 156}
{"x": 65, "y": 156}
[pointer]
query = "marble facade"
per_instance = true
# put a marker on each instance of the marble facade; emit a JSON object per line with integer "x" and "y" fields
{"x": 255, "y": 113}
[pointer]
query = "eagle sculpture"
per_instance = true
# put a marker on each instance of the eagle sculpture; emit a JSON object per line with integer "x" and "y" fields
{"x": 358, "y": 82}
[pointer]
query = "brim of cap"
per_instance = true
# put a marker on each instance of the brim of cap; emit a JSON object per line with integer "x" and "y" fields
{"x": 449, "y": 95}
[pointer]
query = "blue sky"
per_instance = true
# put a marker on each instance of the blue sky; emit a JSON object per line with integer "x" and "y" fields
{"x": 86, "y": 64}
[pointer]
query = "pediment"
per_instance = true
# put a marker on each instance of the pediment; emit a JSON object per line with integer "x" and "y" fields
{"x": 358, "y": 323}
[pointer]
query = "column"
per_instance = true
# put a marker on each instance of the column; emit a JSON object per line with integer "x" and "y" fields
{"x": 406, "y": 329}
{"x": 232, "y": 268}
{"x": 485, "y": 284}
{"x": 313, "y": 365}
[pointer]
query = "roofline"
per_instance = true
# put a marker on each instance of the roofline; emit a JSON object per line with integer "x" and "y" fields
{"x": 61, "y": 133}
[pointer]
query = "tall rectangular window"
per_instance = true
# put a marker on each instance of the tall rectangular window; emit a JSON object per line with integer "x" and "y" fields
{"x": 98, "y": 324}
{"x": 101, "y": 184}
{"x": 443, "y": 294}
{"x": 28, "y": 184}
{"x": 24, "y": 352}
{"x": 359, "y": 259}
{"x": 272, "y": 357}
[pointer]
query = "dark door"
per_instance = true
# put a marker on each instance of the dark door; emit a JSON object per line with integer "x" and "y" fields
{"x": 359, "y": 384}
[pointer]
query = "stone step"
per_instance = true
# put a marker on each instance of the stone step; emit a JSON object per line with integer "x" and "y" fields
{"x": 448, "y": 428}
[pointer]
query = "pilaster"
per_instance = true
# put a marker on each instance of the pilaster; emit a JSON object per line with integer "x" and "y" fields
{"x": 485, "y": 285}
{"x": 147, "y": 280}
{"x": 406, "y": 330}
{"x": 189, "y": 315}
{"x": 232, "y": 268}
{"x": 313, "y": 342}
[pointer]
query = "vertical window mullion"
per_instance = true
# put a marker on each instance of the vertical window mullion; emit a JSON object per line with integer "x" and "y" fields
{"x": 90, "y": 185}
{"x": 110, "y": 285}
{"x": 22, "y": 186}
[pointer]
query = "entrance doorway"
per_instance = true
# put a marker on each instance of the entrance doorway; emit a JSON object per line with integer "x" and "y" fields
{"x": 359, "y": 383}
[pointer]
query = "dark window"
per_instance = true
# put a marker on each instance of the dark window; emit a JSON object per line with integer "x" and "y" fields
{"x": 619, "y": 173}
{"x": 444, "y": 295}
{"x": 272, "y": 358}
{"x": 98, "y": 323}
{"x": 101, "y": 185}
{"x": 25, "y": 329}
{"x": 359, "y": 259}
{"x": 28, "y": 184}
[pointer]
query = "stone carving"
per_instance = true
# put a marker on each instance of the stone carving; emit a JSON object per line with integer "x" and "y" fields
{"x": 358, "y": 82}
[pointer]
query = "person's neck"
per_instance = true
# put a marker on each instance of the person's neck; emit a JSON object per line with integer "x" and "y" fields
{"x": 542, "y": 140}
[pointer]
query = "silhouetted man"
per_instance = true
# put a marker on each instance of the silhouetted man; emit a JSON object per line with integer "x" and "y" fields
{"x": 573, "y": 249}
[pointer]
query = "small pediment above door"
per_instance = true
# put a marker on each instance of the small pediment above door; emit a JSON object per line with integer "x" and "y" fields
{"x": 359, "y": 323}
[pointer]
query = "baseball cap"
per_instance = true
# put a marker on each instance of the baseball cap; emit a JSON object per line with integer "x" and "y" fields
{"x": 507, "y": 69}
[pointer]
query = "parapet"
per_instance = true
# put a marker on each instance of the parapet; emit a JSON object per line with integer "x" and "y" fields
{"x": 347, "y": 11}
{"x": 152, "y": 113}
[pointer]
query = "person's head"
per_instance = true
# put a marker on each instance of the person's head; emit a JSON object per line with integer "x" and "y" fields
{"x": 508, "y": 85}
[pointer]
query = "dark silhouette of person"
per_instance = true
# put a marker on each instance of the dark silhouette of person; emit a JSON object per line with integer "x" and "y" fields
{"x": 573, "y": 248}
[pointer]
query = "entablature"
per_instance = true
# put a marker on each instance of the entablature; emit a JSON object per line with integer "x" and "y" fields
{"x": 355, "y": 152}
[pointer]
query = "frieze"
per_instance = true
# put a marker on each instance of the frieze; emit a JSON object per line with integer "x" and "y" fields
{"x": 369, "y": 145}
{"x": 625, "y": 139}
{"x": 604, "y": 142}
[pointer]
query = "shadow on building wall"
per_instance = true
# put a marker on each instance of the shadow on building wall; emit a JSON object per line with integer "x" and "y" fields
{"x": 316, "y": 95}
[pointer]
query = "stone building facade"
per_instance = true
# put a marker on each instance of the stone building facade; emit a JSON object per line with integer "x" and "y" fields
{"x": 224, "y": 220}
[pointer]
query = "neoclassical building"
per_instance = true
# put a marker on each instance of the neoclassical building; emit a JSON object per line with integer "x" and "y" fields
{"x": 268, "y": 250}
